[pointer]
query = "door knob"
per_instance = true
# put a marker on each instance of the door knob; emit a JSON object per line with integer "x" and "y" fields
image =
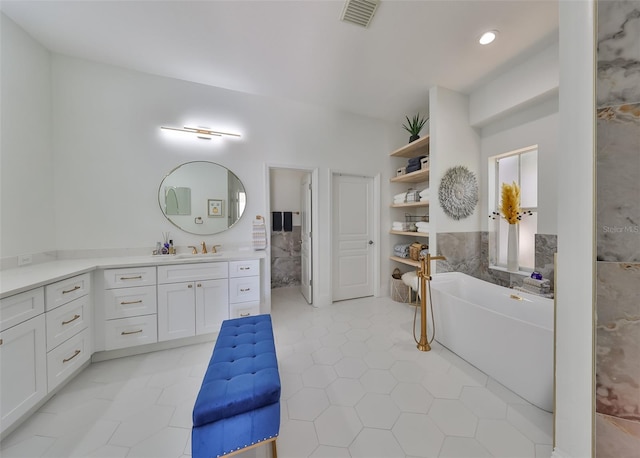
{"x": 370, "y": 242}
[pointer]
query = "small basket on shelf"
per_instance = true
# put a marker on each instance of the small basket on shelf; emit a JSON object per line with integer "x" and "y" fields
{"x": 415, "y": 249}
{"x": 399, "y": 291}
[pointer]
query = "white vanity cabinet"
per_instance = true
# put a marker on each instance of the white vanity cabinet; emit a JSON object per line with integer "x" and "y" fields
{"x": 244, "y": 288}
{"x": 129, "y": 307}
{"x": 23, "y": 354}
{"x": 68, "y": 314}
{"x": 193, "y": 299}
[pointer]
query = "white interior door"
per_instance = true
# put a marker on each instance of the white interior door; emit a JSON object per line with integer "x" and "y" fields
{"x": 352, "y": 237}
{"x": 305, "y": 238}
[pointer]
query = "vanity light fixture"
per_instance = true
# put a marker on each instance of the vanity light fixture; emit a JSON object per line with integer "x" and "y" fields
{"x": 201, "y": 132}
{"x": 488, "y": 37}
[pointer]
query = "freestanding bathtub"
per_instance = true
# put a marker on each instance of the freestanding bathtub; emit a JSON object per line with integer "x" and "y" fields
{"x": 506, "y": 334}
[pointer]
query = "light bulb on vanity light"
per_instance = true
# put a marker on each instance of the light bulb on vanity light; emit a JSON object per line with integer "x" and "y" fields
{"x": 488, "y": 37}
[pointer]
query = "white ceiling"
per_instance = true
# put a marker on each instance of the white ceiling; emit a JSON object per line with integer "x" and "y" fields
{"x": 299, "y": 49}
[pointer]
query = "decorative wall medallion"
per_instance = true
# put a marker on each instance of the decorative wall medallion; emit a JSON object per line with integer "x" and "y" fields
{"x": 458, "y": 192}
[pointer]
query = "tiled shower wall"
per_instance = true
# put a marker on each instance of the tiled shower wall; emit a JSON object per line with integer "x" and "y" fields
{"x": 285, "y": 258}
{"x": 468, "y": 252}
{"x": 618, "y": 230}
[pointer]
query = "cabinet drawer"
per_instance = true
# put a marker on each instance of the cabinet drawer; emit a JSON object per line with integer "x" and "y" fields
{"x": 67, "y": 320}
{"x": 63, "y": 360}
{"x": 244, "y": 289}
{"x": 192, "y": 272}
{"x": 244, "y": 268}
{"x": 244, "y": 309}
{"x": 128, "y": 302}
{"x": 129, "y": 332}
{"x": 16, "y": 309}
{"x": 134, "y": 276}
{"x": 59, "y": 293}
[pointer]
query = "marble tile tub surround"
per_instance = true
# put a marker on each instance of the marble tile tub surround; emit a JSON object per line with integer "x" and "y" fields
{"x": 617, "y": 425}
{"x": 618, "y": 178}
{"x": 618, "y": 341}
{"x": 468, "y": 252}
{"x": 285, "y": 258}
{"x": 618, "y": 77}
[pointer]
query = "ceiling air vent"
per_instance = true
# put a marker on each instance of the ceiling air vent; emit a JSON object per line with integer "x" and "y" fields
{"x": 359, "y": 12}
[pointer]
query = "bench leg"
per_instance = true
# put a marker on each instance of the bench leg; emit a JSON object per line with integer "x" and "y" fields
{"x": 274, "y": 450}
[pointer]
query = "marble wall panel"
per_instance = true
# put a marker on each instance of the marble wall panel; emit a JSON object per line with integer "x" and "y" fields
{"x": 618, "y": 77}
{"x": 468, "y": 252}
{"x": 618, "y": 183}
{"x": 617, "y": 396}
{"x": 546, "y": 245}
{"x": 285, "y": 258}
{"x": 618, "y": 340}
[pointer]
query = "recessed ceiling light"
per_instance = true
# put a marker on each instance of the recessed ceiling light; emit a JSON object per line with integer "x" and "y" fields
{"x": 488, "y": 37}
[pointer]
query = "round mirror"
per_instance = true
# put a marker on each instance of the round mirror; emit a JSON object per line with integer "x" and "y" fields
{"x": 202, "y": 197}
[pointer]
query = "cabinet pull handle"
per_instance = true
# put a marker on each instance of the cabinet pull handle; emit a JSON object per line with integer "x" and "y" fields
{"x": 245, "y": 290}
{"x": 199, "y": 285}
{"x": 137, "y": 277}
{"x": 71, "y": 290}
{"x": 189, "y": 285}
{"x": 131, "y": 302}
{"x": 75, "y": 317}
{"x": 126, "y": 333}
{"x": 245, "y": 268}
{"x": 70, "y": 358}
{"x": 1, "y": 341}
{"x": 245, "y": 314}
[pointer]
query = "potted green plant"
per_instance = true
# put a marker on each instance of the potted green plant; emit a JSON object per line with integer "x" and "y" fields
{"x": 414, "y": 126}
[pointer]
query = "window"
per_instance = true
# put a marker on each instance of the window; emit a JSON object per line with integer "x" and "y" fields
{"x": 520, "y": 166}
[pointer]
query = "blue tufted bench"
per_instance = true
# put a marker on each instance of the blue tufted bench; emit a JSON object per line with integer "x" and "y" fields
{"x": 238, "y": 406}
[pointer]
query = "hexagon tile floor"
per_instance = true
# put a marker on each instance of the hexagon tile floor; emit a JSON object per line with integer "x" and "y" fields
{"x": 353, "y": 385}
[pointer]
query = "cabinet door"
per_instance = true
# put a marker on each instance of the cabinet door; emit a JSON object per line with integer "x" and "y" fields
{"x": 176, "y": 311}
{"x": 212, "y": 305}
{"x": 23, "y": 359}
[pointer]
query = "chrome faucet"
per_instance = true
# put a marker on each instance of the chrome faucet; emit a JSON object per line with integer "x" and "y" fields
{"x": 204, "y": 248}
{"x": 194, "y": 249}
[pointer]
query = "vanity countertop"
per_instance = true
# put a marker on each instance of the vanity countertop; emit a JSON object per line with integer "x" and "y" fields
{"x": 17, "y": 280}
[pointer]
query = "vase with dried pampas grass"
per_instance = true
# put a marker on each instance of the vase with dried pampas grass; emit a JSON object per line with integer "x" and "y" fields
{"x": 510, "y": 210}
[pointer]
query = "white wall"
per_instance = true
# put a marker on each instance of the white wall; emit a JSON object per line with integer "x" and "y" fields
{"x": 453, "y": 142}
{"x": 285, "y": 192}
{"x": 536, "y": 124}
{"x": 28, "y": 213}
{"x": 99, "y": 155}
{"x": 518, "y": 88}
{"x": 576, "y": 234}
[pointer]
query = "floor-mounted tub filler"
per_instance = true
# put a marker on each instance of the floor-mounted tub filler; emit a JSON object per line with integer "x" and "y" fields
{"x": 508, "y": 336}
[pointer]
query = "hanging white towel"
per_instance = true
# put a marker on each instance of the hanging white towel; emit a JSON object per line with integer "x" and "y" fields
{"x": 259, "y": 234}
